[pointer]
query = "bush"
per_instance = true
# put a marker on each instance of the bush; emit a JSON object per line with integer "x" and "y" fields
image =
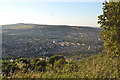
{"x": 8, "y": 67}
{"x": 55, "y": 58}
{"x": 60, "y": 63}
{"x": 38, "y": 64}
{"x": 24, "y": 60}
{"x": 25, "y": 63}
{"x": 41, "y": 63}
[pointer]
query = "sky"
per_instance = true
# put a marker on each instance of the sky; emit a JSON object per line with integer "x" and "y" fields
{"x": 74, "y": 13}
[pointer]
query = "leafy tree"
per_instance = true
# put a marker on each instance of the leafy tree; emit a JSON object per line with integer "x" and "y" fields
{"x": 26, "y": 63}
{"x": 40, "y": 65}
{"x": 8, "y": 67}
{"x": 110, "y": 22}
{"x": 33, "y": 63}
{"x": 52, "y": 59}
{"x": 41, "y": 62}
{"x": 60, "y": 63}
{"x": 37, "y": 64}
{"x": 24, "y": 60}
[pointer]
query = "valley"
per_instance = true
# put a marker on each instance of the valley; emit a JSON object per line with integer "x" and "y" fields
{"x": 34, "y": 40}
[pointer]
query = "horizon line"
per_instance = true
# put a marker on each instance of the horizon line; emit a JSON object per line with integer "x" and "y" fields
{"x": 52, "y": 24}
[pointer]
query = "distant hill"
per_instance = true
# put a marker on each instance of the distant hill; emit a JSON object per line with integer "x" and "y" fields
{"x": 35, "y": 25}
{"x": 33, "y": 40}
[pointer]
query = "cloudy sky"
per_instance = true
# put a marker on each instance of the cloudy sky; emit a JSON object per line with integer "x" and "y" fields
{"x": 67, "y": 12}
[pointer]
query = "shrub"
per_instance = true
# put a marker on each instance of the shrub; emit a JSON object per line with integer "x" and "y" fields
{"x": 60, "y": 63}
{"x": 8, "y": 67}
{"x": 52, "y": 59}
{"x": 38, "y": 64}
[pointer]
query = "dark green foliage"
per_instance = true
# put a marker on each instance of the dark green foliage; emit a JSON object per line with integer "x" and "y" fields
{"x": 25, "y": 64}
{"x": 24, "y": 60}
{"x": 40, "y": 65}
{"x": 8, "y": 67}
{"x": 96, "y": 66}
{"x": 55, "y": 58}
{"x": 110, "y": 22}
{"x": 39, "y": 68}
{"x": 34, "y": 61}
{"x": 60, "y": 63}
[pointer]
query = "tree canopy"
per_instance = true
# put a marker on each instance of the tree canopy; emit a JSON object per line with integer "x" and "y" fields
{"x": 110, "y": 22}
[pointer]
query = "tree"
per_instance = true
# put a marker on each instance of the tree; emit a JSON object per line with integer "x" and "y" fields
{"x": 40, "y": 65}
{"x": 25, "y": 64}
{"x": 8, "y": 67}
{"x": 60, "y": 63}
{"x": 110, "y": 22}
{"x": 24, "y": 60}
{"x": 33, "y": 63}
{"x": 55, "y": 58}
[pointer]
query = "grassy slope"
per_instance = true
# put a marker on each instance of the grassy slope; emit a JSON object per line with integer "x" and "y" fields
{"x": 102, "y": 66}
{"x": 96, "y": 66}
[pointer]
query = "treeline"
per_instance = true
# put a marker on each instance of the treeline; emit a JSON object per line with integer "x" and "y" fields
{"x": 38, "y": 64}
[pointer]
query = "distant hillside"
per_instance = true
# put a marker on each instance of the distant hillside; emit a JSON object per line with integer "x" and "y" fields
{"x": 32, "y": 40}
